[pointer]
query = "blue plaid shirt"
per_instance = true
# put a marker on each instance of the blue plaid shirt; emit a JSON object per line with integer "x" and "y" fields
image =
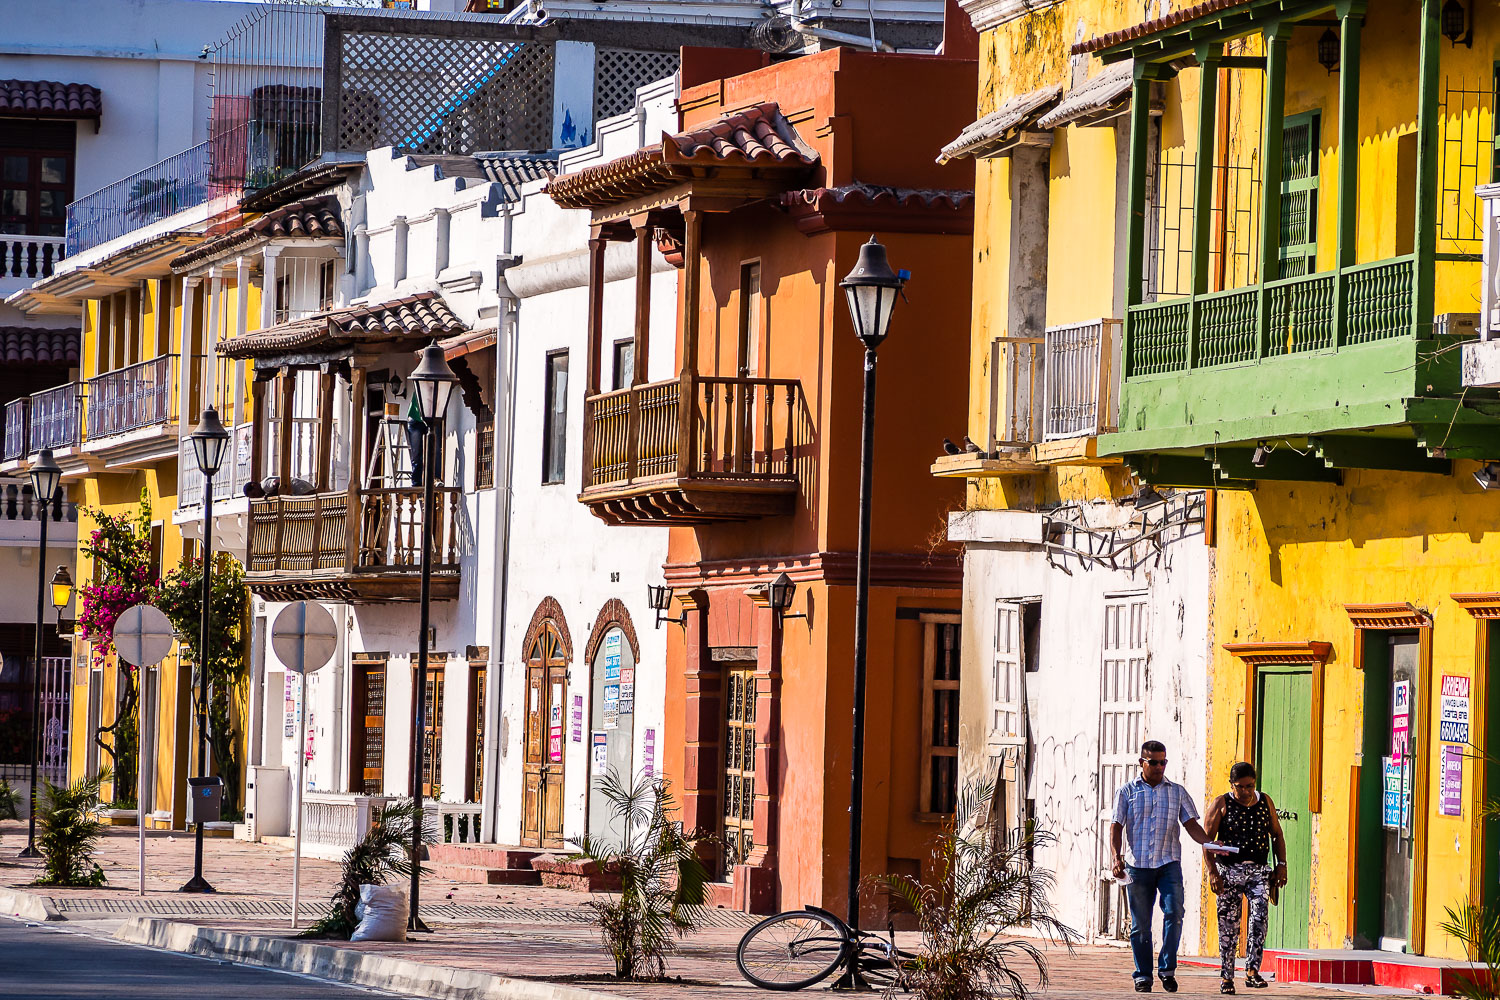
{"x": 1153, "y": 818}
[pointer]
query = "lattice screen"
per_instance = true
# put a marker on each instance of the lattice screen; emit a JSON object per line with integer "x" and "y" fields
{"x": 428, "y": 94}
{"x": 618, "y": 72}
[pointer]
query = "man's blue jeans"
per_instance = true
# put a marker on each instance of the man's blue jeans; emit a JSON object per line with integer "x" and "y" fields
{"x": 1145, "y": 884}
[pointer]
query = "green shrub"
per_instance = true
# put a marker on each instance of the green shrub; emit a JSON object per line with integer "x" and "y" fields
{"x": 68, "y": 832}
{"x": 9, "y": 800}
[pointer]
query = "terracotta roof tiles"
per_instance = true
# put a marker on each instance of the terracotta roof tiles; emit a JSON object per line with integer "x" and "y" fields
{"x": 1147, "y": 28}
{"x": 310, "y": 219}
{"x": 993, "y": 130}
{"x": 414, "y": 317}
{"x": 31, "y": 345}
{"x": 49, "y": 99}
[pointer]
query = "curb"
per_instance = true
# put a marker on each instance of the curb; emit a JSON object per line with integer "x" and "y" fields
{"x": 342, "y": 965}
{"x": 28, "y": 905}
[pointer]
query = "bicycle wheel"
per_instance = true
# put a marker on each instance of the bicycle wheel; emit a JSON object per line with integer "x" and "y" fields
{"x": 791, "y": 950}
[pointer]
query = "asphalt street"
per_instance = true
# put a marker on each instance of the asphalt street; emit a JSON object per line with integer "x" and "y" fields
{"x": 43, "y": 963}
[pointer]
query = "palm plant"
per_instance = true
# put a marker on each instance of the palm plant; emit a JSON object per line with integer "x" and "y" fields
{"x": 1477, "y": 927}
{"x": 662, "y": 878}
{"x": 9, "y": 800}
{"x": 384, "y": 851}
{"x": 985, "y": 884}
{"x": 69, "y": 832}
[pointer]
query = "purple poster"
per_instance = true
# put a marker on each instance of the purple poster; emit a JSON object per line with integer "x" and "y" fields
{"x": 648, "y": 753}
{"x": 577, "y": 718}
{"x": 1452, "y": 801}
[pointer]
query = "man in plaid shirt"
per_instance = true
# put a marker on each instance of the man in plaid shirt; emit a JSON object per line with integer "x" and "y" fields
{"x": 1148, "y": 812}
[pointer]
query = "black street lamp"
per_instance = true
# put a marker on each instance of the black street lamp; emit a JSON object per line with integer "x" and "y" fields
{"x": 46, "y": 475}
{"x": 210, "y": 441}
{"x": 433, "y": 383}
{"x": 872, "y": 288}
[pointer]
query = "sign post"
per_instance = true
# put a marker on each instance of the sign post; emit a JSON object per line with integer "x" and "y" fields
{"x": 305, "y": 639}
{"x": 143, "y": 637}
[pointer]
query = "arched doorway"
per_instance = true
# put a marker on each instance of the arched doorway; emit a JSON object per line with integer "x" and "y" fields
{"x": 612, "y": 654}
{"x": 547, "y": 656}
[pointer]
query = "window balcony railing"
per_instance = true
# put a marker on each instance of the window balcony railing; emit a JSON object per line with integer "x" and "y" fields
{"x": 233, "y": 473}
{"x": 1082, "y": 399}
{"x": 1016, "y": 389}
{"x": 54, "y": 420}
{"x": 30, "y": 257}
{"x": 163, "y": 189}
{"x": 127, "y": 399}
{"x": 712, "y": 448}
{"x": 1289, "y": 316}
{"x": 305, "y": 545}
{"x": 17, "y": 437}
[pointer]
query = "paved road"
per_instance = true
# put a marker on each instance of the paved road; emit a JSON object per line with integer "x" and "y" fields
{"x": 44, "y": 963}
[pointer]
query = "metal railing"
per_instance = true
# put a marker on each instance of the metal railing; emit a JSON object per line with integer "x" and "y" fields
{"x": 141, "y": 395}
{"x": 17, "y": 425}
{"x": 739, "y": 429}
{"x": 1082, "y": 399}
{"x": 163, "y": 189}
{"x": 1324, "y": 311}
{"x": 233, "y": 474}
{"x": 1016, "y": 390}
{"x": 55, "y": 417}
{"x": 30, "y": 256}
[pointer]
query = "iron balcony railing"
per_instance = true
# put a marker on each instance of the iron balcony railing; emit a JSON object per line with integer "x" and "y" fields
{"x": 142, "y": 395}
{"x": 1082, "y": 395}
{"x": 54, "y": 419}
{"x": 163, "y": 189}
{"x": 233, "y": 474}
{"x": 16, "y": 436}
{"x": 29, "y": 256}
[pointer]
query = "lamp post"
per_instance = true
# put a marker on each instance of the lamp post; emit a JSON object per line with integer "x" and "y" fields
{"x": 210, "y": 440}
{"x": 872, "y": 288}
{"x": 46, "y": 474}
{"x": 432, "y": 383}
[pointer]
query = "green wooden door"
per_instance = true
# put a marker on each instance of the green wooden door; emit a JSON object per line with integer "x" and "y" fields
{"x": 1284, "y": 732}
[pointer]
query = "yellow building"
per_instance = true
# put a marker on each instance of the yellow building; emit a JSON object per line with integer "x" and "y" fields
{"x": 1291, "y": 324}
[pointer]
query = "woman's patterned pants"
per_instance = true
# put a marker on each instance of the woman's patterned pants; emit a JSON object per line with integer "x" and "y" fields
{"x": 1252, "y": 881}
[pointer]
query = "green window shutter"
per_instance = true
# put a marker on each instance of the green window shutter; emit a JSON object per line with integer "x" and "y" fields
{"x": 1299, "y": 195}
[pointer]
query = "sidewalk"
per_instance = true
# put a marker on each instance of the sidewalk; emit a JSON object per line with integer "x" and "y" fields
{"x": 534, "y": 934}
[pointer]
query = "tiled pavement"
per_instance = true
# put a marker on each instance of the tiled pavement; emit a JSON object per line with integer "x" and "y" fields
{"x": 522, "y": 931}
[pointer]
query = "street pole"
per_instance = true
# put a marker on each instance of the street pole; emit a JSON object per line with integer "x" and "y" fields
{"x": 36, "y": 683}
{"x": 198, "y": 883}
{"x": 853, "y": 979}
{"x": 419, "y": 737}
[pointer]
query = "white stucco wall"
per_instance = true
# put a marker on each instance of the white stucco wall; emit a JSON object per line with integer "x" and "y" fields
{"x": 558, "y": 548}
{"x": 1005, "y": 560}
{"x": 143, "y": 55}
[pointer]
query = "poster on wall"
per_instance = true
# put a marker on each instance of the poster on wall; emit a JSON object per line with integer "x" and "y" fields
{"x": 1453, "y": 717}
{"x": 1400, "y": 720}
{"x": 611, "y": 706}
{"x": 599, "y": 754}
{"x": 1451, "y": 801}
{"x": 290, "y": 706}
{"x": 576, "y": 721}
{"x": 627, "y": 690}
{"x": 648, "y": 753}
{"x": 555, "y": 727}
{"x": 1390, "y": 802}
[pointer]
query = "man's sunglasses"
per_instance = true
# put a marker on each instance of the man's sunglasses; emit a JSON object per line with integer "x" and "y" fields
{"x": 1148, "y": 760}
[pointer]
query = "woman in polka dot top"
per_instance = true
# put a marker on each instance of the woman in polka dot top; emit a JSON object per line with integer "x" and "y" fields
{"x": 1244, "y": 818}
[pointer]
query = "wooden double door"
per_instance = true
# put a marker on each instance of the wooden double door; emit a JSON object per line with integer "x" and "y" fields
{"x": 546, "y": 741}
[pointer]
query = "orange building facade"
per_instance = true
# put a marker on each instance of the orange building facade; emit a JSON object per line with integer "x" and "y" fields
{"x": 752, "y": 455}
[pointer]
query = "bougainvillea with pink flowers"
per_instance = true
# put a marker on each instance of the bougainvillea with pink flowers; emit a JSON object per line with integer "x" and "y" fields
{"x": 121, "y": 550}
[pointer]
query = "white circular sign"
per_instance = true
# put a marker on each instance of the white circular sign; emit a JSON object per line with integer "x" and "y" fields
{"x": 143, "y": 636}
{"x": 304, "y": 637}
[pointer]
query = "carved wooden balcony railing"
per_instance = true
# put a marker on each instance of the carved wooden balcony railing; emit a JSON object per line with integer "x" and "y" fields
{"x": 694, "y": 450}
{"x": 303, "y": 548}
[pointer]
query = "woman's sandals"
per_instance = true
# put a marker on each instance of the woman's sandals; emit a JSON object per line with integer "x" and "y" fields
{"x": 1254, "y": 981}
{"x": 1226, "y": 986}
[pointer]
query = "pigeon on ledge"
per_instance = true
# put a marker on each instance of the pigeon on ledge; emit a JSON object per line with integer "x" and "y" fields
{"x": 949, "y": 448}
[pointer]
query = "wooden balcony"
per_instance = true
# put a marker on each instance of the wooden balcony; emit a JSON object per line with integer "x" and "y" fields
{"x": 694, "y": 450}
{"x": 302, "y": 548}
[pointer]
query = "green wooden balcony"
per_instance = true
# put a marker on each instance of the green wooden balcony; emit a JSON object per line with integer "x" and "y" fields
{"x": 1331, "y": 370}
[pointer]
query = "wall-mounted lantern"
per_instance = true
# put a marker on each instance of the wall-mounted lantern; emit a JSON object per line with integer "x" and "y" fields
{"x": 779, "y": 594}
{"x": 1329, "y": 50}
{"x": 659, "y": 599}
